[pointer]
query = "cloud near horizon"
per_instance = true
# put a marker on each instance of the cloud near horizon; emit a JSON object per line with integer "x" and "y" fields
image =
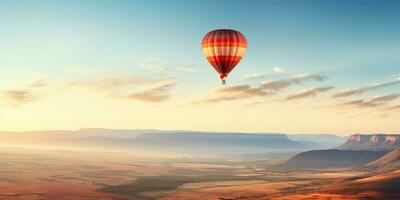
{"x": 359, "y": 91}
{"x": 374, "y": 102}
{"x": 153, "y": 95}
{"x": 131, "y": 87}
{"x": 308, "y": 93}
{"x": 124, "y": 86}
{"x": 112, "y": 81}
{"x": 17, "y": 98}
{"x": 24, "y": 94}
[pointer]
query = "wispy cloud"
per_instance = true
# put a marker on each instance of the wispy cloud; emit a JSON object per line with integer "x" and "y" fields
{"x": 374, "y": 102}
{"x": 127, "y": 86}
{"x": 25, "y": 93}
{"x": 275, "y": 85}
{"x": 308, "y": 93}
{"x": 385, "y": 98}
{"x": 234, "y": 93}
{"x": 359, "y": 104}
{"x": 254, "y": 76}
{"x": 18, "y": 97}
{"x": 364, "y": 89}
{"x": 186, "y": 69}
{"x": 38, "y": 83}
{"x": 111, "y": 81}
{"x": 266, "y": 88}
{"x": 161, "y": 69}
{"x": 395, "y": 107}
{"x": 285, "y": 83}
{"x": 108, "y": 84}
{"x": 155, "y": 65}
{"x": 306, "y": 77}
{"x": 154, "y": 95}
{"x": 279, "y": 70}
{"x": 157, "y": 69}
{"x": 161, "y": 66}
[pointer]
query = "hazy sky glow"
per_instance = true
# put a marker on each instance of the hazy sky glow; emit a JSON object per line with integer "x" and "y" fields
{"x": 311, "y": 66}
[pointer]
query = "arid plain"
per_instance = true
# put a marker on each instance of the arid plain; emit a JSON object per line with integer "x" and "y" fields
{"x": 45, "y": 173}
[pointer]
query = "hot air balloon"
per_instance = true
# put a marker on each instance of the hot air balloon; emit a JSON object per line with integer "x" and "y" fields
{"x": 224, "y": 48}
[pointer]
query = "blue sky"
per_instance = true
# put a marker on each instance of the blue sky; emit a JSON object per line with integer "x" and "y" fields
{"x": 353, "y": 43}
{"x": 340, "y": 37}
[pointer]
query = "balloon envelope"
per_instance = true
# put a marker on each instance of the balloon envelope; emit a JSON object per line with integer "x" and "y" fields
{"x": 224, "y": 48}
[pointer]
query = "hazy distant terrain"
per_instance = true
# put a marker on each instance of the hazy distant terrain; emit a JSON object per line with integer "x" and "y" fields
{"x": 126, "y": 164}
{"x": 318, "y": 141}
{"x": 176, "y": 143}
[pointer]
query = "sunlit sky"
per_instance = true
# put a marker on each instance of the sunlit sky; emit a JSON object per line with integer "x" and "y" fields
{"x": 139, "y": 64}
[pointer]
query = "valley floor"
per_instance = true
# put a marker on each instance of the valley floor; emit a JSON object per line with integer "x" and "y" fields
{"x": 55, "y": 174}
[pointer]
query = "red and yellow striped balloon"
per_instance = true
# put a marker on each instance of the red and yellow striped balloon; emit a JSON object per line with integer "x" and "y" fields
{"x": 224, "y": 48}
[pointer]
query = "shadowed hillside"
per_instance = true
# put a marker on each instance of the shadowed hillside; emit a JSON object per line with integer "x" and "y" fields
{"x": 388, "y": 162}
{"x": 332, "y": 159}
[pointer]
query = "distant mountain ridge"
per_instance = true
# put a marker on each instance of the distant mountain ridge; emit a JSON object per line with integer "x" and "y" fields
{"x": 313, "y": 141}
{"x": 167, "y": 142}
{"x": 203, "y": 143}
{"x": 375, "y": 142}
{"x": 236, "y": 140}
{"x": 318, "y": 141}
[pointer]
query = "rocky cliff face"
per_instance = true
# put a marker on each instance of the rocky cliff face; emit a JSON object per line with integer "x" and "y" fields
{"x": 372, "y": 142}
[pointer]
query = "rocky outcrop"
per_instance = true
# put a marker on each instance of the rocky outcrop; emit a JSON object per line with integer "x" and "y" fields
{"x": 382, "y": 142}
